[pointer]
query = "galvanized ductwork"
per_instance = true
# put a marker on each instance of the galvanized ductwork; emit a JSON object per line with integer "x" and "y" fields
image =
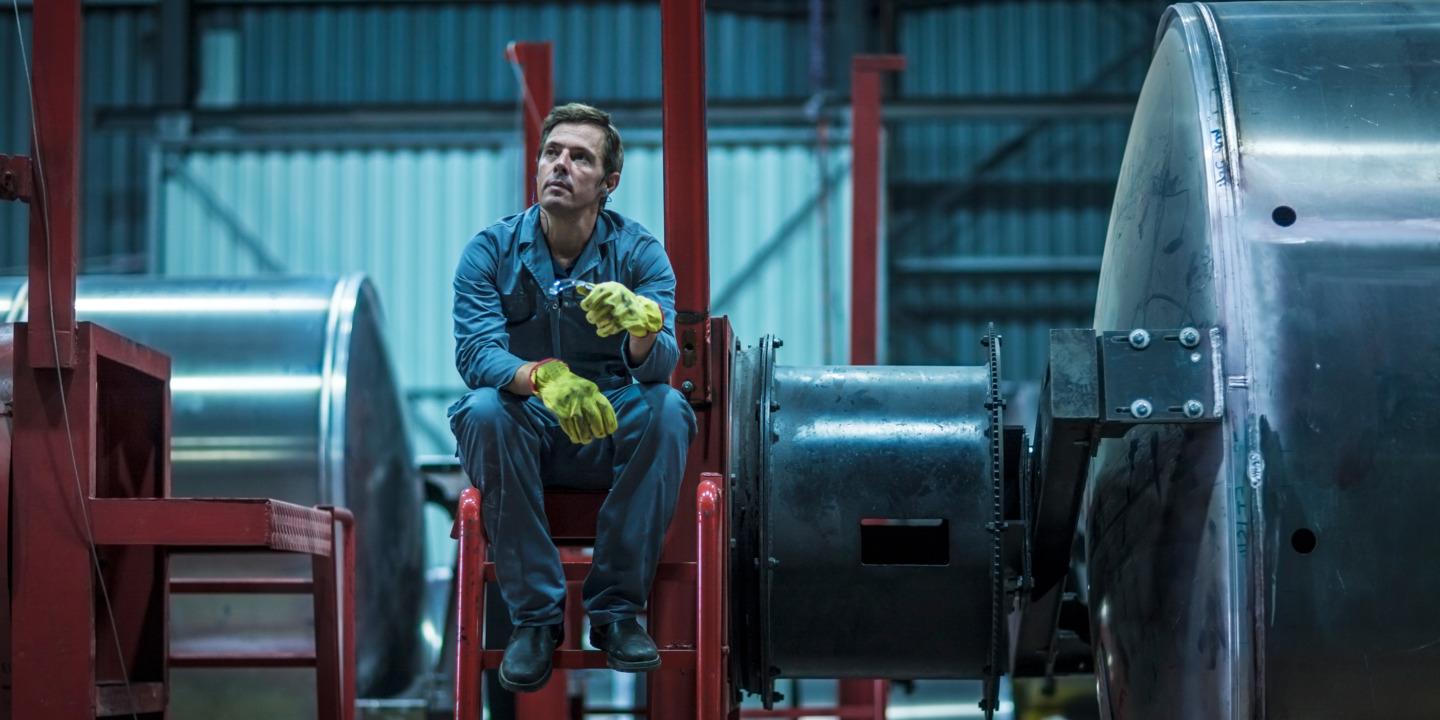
{"x": 859, "y": 505}
{"x": 281, "y": 388}
{"x": 1282, "y": 184}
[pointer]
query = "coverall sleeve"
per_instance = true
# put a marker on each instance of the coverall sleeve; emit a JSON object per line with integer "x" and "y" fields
{"x": 655, "y": 279}
{"x": 482, "y": 346}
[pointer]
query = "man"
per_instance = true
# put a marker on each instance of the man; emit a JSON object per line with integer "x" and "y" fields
{"x": 571, "y": 391}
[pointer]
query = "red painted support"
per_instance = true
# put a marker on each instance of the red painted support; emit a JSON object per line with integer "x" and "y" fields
{"x": 710, "y": 599}
{"x": 55, "y": 214}
{"x": 865, "y": 208}
{"x": 687, "y": 215}
{"x": 469, "y": 605}
{"x": 871, "y": 696}
{"x": 17, "y": 178}
{"x": 537, "y": 98}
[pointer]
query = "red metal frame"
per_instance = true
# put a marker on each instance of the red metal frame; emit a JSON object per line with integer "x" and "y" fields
{"x": 687, "y": 209}
{"x": 91, "y": 471}
{"x": 17, "y": 178}
{"x": 104, "y": 483}
{"x": 55, "y": 212}
{"x": 537, "y": 98}
{"x": 865, "y": 209}
{"x": 702, "y": 661}
{"x": 711, "y": 700}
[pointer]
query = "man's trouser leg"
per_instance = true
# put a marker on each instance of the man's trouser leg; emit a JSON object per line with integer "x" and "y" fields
{"x": 501, "y": 439}
{"x": 656, "y": 426}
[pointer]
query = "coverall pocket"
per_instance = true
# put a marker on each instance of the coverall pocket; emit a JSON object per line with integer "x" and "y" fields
{"x": 518, "y": 306}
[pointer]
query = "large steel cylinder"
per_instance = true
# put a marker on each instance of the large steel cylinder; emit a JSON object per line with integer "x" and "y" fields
{"x": 859, "y": 511}
{"x": 281, "y": 388}
{"x": 1282, "y": 184}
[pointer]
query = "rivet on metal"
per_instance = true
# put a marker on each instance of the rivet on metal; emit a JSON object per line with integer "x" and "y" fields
{"x": 1193, "y": 408}
{"x": 1141, "y": 409}
{"x": 772, "y": 562}
{"x": 774, "y": 405}
{"x": 1139, "y": 339}
{"x": 777, "y": 343}
{"x": 1189, "y": 337}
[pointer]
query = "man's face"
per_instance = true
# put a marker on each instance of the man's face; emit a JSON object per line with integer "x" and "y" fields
{"x": 570, "y": 172}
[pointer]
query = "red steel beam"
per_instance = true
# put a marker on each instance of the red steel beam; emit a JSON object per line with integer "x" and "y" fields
{"x": 55, "y": 213}
{"x": 865, "y": 209}
{"x": 537, "y": 98}
{"x": 687, "y": 215}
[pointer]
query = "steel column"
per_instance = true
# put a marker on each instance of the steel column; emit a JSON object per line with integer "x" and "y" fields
{"x": 687, "y": 216}
{"x": 865, "y": 208}
{"x": 537, "y": 98}
{"x": 674, "y": 693}
{"x": 55, "y": 213}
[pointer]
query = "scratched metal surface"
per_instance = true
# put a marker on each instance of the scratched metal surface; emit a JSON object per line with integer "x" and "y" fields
{"x": 1279, "y": 184}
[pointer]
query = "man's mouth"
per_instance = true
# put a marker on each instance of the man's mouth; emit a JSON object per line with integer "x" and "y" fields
{"x": 557, "y": 183}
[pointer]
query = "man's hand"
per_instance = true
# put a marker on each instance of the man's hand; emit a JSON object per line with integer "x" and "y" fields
{"x": 612, "y": 307}
{"x": 585, "y": 413}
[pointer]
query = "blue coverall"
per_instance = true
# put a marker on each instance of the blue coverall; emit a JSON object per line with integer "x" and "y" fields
{"x": 512, "y": 446}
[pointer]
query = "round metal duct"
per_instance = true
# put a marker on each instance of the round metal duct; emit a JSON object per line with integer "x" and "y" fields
{"x": 859, "y": 505}
{"x": 1280, "y": 184}
{"x": 282, "y": 388}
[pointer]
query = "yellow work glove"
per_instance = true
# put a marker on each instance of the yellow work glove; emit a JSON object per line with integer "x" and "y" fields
{"x": 612, "y": 307}
{"x": 585, "y": 413}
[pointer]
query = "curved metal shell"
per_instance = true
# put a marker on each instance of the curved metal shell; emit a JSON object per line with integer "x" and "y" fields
{"x": 861, "y": 493}
{"x": 1280, "y": 184}
{"x": 282, "y": 388}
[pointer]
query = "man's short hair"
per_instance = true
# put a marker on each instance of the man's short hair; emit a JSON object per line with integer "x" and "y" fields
{"x": 581, "y": 113}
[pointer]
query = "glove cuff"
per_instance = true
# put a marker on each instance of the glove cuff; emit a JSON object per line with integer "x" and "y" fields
{"x": 659, "y": 327}
{"x": 543, "y": 363}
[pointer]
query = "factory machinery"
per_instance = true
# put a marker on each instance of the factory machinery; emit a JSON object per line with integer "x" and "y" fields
{"x": 1222, "y": 510}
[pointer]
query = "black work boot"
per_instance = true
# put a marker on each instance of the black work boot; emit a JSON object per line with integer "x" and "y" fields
{"x": 627, "y": 647}
{"x": 526, "y": 667}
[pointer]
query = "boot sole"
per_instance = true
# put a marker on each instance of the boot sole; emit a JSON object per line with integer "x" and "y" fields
{"x": 515, "y": 687}
{"x": 632, "y": 665}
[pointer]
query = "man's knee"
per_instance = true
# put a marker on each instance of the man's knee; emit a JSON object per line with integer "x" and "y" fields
{"x": 480, "y": 407}
{"x": 673, "y": 414}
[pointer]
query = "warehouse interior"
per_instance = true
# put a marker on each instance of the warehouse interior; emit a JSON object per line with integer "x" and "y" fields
{"x": 274, "y": 194}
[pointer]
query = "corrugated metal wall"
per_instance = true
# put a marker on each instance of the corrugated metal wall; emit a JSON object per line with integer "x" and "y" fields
{"x": 403, "y": 217}
{"x": 999, "y": 219}
{"x": 452, "y": 53}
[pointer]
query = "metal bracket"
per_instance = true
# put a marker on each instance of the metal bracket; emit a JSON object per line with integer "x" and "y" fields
{"x": 1097, "y": 386}
{"x": 16, "y": 178}
{"x": 1157, "y": 376}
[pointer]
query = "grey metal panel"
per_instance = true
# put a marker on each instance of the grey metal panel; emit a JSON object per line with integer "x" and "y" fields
{"x": 1273, "y": 548}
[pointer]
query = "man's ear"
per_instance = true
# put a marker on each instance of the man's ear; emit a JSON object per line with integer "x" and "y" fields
{"x": 612, "y": 183}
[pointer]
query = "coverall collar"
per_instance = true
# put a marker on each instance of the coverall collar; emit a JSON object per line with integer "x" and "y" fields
{"x": 537, "y": 258}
